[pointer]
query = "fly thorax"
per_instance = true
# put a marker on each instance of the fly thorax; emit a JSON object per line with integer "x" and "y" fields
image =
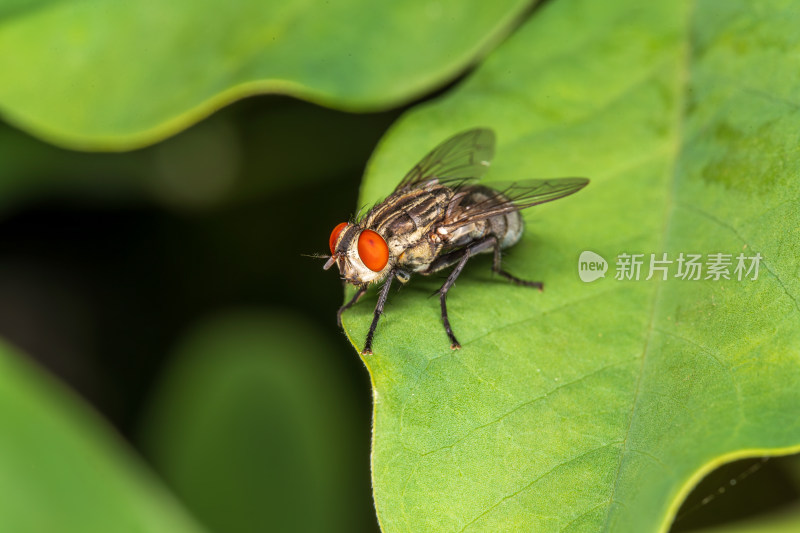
{"x": 407, "y": 219}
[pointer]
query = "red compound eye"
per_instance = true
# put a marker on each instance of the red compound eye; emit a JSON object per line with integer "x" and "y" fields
{"x": 335, "y": 235}
{"x": 372, "y": 250}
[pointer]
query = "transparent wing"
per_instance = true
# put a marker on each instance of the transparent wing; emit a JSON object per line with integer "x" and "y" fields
{"x": 473, "y": 203}
{"x": 463, "y": 157}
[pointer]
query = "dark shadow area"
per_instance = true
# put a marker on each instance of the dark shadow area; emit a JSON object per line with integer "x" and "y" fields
{"x": 741, "y": 490}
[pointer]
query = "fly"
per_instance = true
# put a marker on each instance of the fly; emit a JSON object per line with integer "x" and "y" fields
{"x": 436, "y": 218}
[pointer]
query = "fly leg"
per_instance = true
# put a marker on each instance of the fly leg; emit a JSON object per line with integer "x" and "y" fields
{"x": 454, "y": 344}
{"x": 359, "y": 293}
{"x": 461, "y": 258}
{"x": 514, "y": 279}
{"x": 378, "y": 312}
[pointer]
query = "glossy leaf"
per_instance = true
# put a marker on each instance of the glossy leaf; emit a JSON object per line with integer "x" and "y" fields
{"x": 63, "y": 470}
{"x": 116, "y": 75}
{"x": 597, "y": 406}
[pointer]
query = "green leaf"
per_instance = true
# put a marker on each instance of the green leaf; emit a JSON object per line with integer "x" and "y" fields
{"x": 596, "y": 406}
{"x": 254, "y": 427}
{"x": 116, "y": 75}
{"x": 63, "y": 470}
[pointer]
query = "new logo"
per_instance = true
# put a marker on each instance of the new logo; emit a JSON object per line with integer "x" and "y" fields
{"x": 591, "y": 266}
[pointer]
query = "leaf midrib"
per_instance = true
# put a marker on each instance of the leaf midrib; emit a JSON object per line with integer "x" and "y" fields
{"x": 679, "y": 119}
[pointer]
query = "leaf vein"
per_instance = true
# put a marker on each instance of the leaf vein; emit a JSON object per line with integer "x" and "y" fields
{"x": 536, "y": 480}
{"x": 525, "y": 404}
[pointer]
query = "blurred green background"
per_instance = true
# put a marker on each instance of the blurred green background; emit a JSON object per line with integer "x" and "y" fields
{"x": 169, "y": 287}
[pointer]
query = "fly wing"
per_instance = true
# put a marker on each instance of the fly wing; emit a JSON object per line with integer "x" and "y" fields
{"x": 461, "y": 158}
{"x": 464, "y": 209}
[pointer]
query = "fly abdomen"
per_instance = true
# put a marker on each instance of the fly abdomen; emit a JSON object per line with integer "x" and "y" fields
{"x": 507, "y": 227}
{"x": 472, "y": 202}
